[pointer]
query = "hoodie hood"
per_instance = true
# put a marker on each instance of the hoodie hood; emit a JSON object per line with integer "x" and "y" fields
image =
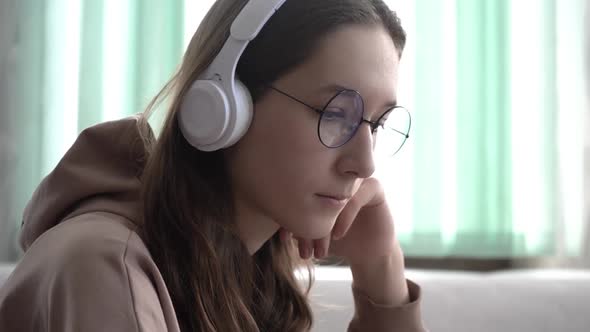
{"x": 100, "y": 172}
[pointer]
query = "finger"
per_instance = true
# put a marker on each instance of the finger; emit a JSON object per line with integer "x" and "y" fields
{"x": 285, "y": 236}
{"x": 377, "y": 193}
{"x": 362, "y": 197}
{"x": 305, "y": 248}
{"x": 345, "y": 220}
{"x": 321, "y": 247}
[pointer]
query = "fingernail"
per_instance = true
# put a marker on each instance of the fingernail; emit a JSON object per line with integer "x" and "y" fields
{"x": 285, "y": 237}
{"x": 319, "y": 253}
{"x": 304, "y": 253}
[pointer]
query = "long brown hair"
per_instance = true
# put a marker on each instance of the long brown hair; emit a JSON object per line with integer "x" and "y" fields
{"x": 188, "y": 226}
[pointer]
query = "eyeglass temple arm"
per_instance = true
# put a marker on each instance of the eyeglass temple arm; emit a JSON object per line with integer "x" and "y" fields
{"x": 296, "y": 99}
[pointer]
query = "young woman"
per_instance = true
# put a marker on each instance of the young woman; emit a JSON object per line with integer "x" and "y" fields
{"x": 264, "y": 161}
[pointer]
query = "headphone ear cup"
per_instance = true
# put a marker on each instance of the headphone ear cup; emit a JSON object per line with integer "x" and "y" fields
{"x": 243, "y": 112}
{"x": 206, "y": 112}
{"x": 204, "y": 115}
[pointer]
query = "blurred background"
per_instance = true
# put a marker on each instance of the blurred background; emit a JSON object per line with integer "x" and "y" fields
{"x": 496, "y": 167}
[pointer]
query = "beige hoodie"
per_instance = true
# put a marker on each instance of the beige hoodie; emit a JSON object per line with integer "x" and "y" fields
{"x": 86, "y": 269}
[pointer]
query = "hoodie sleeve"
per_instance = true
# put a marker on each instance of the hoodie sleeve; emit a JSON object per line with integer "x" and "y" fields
{"x": 370, "y": 316}
{"x": 85, "y": 276}
{"x": 91, "y": 292}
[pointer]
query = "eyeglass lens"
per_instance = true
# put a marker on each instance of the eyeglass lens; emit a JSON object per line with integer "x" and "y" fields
{"x": 343, "y": 114}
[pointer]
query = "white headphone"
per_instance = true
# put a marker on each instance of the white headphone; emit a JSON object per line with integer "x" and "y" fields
{"x": 217, "y": 109}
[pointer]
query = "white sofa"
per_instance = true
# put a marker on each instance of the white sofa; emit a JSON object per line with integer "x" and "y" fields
{"x": 511, "y": 301}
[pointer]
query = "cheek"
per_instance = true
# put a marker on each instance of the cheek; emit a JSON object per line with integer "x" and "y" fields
{"x": 286, "y": 192}
{"x": 282, "y": 172}
{"x": 280, "y": 176}
{"x": 280, "y": 164}
{"x": 283, "y": 150}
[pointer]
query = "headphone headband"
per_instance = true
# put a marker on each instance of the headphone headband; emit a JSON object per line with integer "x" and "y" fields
{"x": 245, "y": 28}
{"x": 253, "y": 17}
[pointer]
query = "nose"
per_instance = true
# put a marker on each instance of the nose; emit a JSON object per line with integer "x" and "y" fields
{"x": 357, "y": 154}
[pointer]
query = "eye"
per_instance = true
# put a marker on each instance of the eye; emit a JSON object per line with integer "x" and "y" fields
{"x": 334, "y": 114}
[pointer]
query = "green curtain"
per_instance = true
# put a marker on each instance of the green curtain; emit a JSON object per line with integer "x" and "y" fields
{"x": 481, "y": 136}
{"x": 81, "y": 63}
{"x": 488, "y": 177}
{"x": 491, "y": 168}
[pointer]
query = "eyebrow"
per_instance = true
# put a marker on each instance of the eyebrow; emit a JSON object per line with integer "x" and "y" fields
{"x": 334, "y": 88}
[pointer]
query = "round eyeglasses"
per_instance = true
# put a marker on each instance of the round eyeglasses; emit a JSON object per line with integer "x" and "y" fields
{"x": 341, "y": 117}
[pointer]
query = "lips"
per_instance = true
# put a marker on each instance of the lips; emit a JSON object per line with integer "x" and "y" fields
{"x": 337, "y": 197}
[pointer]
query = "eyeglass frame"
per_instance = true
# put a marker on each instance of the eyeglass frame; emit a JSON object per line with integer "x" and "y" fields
{"x": 374, "y": 125}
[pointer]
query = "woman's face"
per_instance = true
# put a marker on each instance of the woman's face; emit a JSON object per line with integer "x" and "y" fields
{"x": 283, "y": 175}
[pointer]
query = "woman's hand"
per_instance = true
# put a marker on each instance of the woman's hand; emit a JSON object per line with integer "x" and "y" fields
{"x": 364, "y": 236}
{"x": 363, "y": 232}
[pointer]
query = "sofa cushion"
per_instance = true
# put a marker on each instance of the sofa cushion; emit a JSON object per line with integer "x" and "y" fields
{"x": 517, "y": 300}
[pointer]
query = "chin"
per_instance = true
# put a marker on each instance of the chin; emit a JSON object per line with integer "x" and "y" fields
{"x": 313, "y": 228}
